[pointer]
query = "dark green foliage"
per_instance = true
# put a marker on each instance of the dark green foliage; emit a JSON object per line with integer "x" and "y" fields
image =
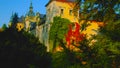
{"x": 4, "y": 26}
{"x": 100, "y": 10}
{"x": 60, "y": 60}
{"x": 112, "y": 30}
{"x": 108, "y": 40}
{"x": 58, "y": 30}
{"x": 74, "y": 59}
{"x": 106, "y": 49}
{"x": 65, "y": 60}
{"x": 106, "y": 52}
{"x": 22, "y": 50}
{"x": 14, "y": 20}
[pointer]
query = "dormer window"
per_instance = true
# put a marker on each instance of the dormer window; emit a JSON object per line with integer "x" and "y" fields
{"x": 70, "y": 12}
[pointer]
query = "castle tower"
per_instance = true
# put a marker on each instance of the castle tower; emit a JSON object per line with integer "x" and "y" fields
{"x": 31, "y": 12}
{"x": 62, "y": 8}
{"x": 31, "y": 20}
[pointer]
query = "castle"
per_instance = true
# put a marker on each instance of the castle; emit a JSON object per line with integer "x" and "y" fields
{"x": 39, "y": 24}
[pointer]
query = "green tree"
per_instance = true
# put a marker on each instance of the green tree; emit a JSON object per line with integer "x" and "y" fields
{"x": 4, "y": 26}
{"x": 14, "y": 20}
{"x": 106, "y": 48}
{"x": 22, "y": 50}
{"x": 58, "y": 29}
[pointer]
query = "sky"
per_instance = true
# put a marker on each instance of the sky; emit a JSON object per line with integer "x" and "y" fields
{"x": 7, "y": 7}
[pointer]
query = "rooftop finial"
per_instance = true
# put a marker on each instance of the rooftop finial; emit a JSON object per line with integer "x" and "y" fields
{"x": 30, "y": 13}
{"x": 31, "y": 7}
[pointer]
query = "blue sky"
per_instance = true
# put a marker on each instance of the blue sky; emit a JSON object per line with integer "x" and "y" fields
{"x": 7, "y": 7}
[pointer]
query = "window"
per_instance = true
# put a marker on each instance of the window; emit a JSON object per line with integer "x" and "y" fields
{"x": 62, "y": 11}
{"x": 70, "y": 12}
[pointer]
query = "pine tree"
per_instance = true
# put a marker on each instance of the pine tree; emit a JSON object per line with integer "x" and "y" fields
{"x": 4, "y": 26}
{"x": 14, "y": 20}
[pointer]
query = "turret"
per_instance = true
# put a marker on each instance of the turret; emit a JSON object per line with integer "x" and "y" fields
{"x": 31, "y": 12}
{"x": 31, "y": 7}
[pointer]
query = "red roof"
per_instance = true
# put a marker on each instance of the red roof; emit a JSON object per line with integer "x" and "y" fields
{"x": 60, "y": 1}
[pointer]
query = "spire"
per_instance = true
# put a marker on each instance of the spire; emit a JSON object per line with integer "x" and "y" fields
{"x": 31, "y": 12}
{"x": 31, "y": 7}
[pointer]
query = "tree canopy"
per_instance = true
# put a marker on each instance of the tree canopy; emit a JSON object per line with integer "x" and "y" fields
{"x": 106, "y": 48}
{"x": 22, "y": 50}
{"x": 14, "y": 20}
{"x": 58, "y": 29}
